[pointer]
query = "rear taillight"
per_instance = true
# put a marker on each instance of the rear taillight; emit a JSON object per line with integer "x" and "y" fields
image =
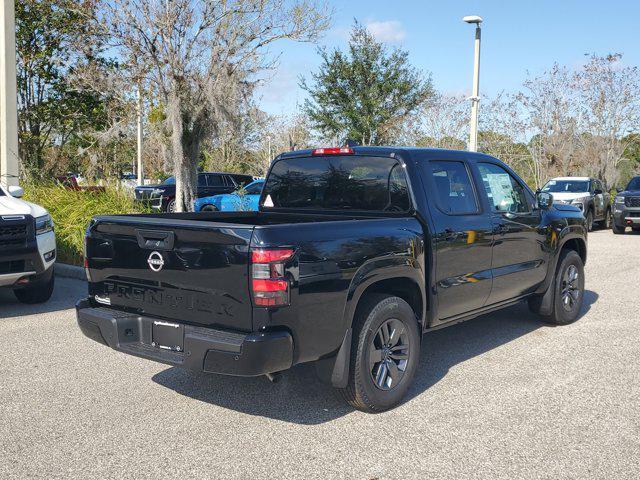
{"x": 332, "y": 151}
{"x": 268, "y": 283}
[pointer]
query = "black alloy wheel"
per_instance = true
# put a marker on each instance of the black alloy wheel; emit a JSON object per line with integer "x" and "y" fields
{"x": 570, "y": 289}
{"x": 388, "y": 354}
{"x": 385, "y": 351}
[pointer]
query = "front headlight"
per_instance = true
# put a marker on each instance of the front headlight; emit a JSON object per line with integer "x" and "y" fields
{"x": 44, "y": 224}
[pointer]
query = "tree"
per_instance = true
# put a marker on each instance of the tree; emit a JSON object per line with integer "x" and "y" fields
{"x": 367, "y": 94}
{"x": 203, "y": 58}
{"x": 608, "y": 110}
{"x": 50, "y": 111}
{"x": 442, "y": 122}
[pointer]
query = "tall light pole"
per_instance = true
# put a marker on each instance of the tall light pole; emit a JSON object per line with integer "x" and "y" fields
{"x": 9, "y": 164}
{"x": 475, "y": 92}
{"x": 139, "y": 115}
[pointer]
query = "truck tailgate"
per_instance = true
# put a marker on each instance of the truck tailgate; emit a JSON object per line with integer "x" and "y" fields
{"x": 182, "y": 270}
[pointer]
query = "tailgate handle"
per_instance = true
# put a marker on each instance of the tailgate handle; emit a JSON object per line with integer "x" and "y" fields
{"x": 155, "y": 239}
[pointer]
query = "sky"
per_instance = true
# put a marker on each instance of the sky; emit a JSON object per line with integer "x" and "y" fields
{"x": 520, "y": 39}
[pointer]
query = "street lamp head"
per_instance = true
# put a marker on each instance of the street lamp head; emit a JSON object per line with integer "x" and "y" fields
{"x": 472, "y": 19}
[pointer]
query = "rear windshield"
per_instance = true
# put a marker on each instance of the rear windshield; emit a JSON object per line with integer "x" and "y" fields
{"x": 337, "y": 183}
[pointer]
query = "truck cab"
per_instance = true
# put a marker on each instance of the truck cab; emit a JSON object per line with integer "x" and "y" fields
{"x": 353, "y": 255}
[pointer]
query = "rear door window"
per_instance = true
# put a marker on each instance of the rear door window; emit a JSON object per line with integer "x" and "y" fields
{"x": 337, "y": 183}
{"x": 454, "y": 190}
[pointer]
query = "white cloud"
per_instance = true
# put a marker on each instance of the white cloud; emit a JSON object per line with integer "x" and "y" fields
{"x": 390, "y": 31}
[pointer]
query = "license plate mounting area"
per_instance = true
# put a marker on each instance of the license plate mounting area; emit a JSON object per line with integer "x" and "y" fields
{"x": 168, "y": 336}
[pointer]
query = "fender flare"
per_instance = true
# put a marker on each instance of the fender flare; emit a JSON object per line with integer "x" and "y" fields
{"x": 547, "y": 298}
{"x": 367, "y": 275}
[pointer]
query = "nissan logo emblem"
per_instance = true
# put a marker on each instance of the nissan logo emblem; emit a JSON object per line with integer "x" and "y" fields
{"x": 155, "y": 261}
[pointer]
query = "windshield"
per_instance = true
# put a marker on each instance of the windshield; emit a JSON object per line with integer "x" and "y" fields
{"x": 634, "y": 184}
{"x": 568, "y": 186}
{"x": 169, "y": 181}
{"x": 337, "y": 183}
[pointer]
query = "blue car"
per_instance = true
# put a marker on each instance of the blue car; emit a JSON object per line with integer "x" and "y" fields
{"x": 243, "y": 200}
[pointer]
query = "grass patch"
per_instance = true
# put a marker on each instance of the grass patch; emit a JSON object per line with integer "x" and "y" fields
{"x": 71, "y": 211}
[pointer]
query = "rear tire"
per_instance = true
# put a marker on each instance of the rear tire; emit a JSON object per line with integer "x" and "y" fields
{"x": 36, "y": 293}
{"x": 616, "y": 229}
{"x": 605, "y": 224}
{"x": 569, "y": 289}
{"x": 171, "y": 206}
{"x": 384, "y": 354}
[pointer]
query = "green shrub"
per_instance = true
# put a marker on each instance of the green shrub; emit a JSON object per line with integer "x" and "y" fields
{"x": 71, "y": 211}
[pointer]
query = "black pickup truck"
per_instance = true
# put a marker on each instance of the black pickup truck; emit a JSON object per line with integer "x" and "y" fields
{"x": 353, "y": 255}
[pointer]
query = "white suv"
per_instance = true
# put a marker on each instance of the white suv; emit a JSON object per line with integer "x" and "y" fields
{"x": 587, "y": 194}
{"x": 27, "y": 247}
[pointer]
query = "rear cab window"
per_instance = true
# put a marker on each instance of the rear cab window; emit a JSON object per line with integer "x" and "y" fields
{"x": 341, "y": 182}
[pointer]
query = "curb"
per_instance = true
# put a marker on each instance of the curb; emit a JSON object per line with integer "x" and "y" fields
{"x": 70, "y": 271}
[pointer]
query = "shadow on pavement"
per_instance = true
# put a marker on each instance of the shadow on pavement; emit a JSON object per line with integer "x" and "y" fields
{"x": 65, "y": 295}
{"x": 301, "y": 398}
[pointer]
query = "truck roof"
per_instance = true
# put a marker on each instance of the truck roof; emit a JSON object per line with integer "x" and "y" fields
{"x": 415, "y": 152}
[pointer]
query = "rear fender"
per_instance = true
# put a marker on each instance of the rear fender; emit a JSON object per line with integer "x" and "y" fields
{"x": 372, "y": 272}
{"x": 378, "y": 270}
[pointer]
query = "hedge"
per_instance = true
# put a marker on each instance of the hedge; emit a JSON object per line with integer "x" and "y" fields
{"x": 71, "y": 211}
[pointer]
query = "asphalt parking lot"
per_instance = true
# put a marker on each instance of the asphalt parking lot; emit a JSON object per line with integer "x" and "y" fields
{"x": 501, "y": 396}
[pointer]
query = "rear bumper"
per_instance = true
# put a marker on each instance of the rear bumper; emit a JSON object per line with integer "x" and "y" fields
{"x": 205, "y": 349}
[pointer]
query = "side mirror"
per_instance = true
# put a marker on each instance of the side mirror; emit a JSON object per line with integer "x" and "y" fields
{"x": 545, "y": 200}
{"x": 597, "y": 191}
{"x": 15, "y": 191}
{"x": 618, "y": 190}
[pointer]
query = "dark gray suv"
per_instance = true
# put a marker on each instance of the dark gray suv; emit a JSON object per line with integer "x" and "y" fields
{"x": 626, "y": 208}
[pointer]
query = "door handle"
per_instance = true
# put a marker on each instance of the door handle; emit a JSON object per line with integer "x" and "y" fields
{"x": 155, "y": 239}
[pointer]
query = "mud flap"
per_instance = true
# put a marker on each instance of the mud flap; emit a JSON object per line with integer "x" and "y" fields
{"x": 335, "y": 369}
{"x": 546, "y": 302}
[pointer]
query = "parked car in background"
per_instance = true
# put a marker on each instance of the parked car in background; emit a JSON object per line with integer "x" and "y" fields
{"x": 162, "y": 197}
{"x": 626, "y": 208}
{"x": 244, "y": 199}
{"x": 70, "y": 182}
{"x": 27, "y": 247}
{"x": 352, "y": 256}
{"x": 585, "y": 193}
